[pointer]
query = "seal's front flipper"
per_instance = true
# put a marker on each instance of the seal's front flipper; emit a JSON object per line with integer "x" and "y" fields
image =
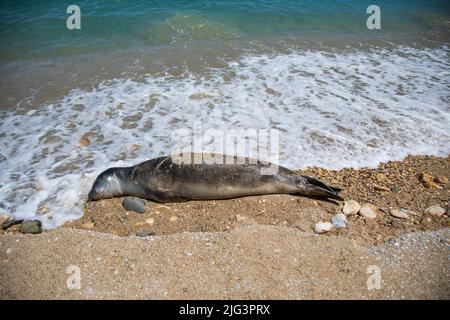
{"x": 313, "y": 187}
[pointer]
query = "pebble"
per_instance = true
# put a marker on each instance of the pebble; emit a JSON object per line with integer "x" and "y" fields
{"x": 31, "y": 226}
{"x": 381, "y": 177}
{"x": 441, "y": 179}
{"x": 427, "y": 180}
{"x": 88, "y": 225}
{"x": 435, "y": 211}
{"x": 134, "y": 204}
{"x": 4, "y": 218}
{"x": 150, "y": 221}
{"x": 401, "y": 214}
{"x": 145, "y": 233}
{"x": 381, "y": 188}
{"x": 173, "y": 218}
{"x": 322, "y": 227}
{"x": 84, "y": 141}
{"x": 338, "y": 220}
{"x": 368, "y": 211}
{"x": 350, "y": 207}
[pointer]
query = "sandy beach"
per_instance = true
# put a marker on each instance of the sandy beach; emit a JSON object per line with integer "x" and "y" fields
{"x": 351, "y": 93}
{"x": 260, "y": 247}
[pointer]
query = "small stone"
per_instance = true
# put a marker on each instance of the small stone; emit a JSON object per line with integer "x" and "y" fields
{"x": 427, "y": 180}
{"x": 338, "y": 220}
{"x": 173, "y": 218}
{"x": 381, "y": 188}
{"x": 150, "y": 221}
{"x": 140, "y": 224}
{"x": 134, "y": 204}
{"x": 368, "y": 211}
{"x": 322, "y": 227}
{"x": 381, "y": 177}
{"x": 145, "y": 233}
{"x": 88, "y": 225}
{"x": 84, "y": 141}
{"x": 401, "y": 214}
{"x": 441, "y": 179}
{"x": 350, "y": 207}
{"x": 435, "y": 211}
{"x": 8, "y": 251}
{"x": 31, "y": 226}
{"x": 4, "y": 218}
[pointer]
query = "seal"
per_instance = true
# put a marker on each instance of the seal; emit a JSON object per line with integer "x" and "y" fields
{"x": 172, "y": 179}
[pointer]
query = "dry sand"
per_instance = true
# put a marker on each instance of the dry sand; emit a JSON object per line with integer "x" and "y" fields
{"x": 252, "y": 262}
{"x": 253, "y": 247}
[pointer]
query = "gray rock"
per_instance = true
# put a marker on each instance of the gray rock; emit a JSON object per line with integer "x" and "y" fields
{"x": 134, "y": 204}
{"x": 351, "y": 207}
{"x": 145, "y": 233}
{"x": 31, "y": 226}
{"x": 401, "y": 214}
{"x": 4, "y": 218}
{"x": 368, "y": 211}
{"x": 435, "y": 211}
{"x": 338, "y": 220}
{"x": 322, "y": 227}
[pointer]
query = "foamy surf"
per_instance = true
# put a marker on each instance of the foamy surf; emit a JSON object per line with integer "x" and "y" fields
{"x": 333, "y": 110}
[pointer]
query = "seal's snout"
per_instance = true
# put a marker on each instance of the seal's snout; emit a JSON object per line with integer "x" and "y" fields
{"x": 91, "y": 195}
{"x": 98, "y": 188}
{"x": 106, "y": 185}
{"x": 94, "y": 193}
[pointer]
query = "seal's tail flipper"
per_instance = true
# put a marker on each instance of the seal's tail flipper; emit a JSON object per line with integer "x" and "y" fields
{"x": 314, "y": 187}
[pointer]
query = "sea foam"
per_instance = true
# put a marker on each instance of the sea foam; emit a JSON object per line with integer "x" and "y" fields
{"x": 334, "y": 110}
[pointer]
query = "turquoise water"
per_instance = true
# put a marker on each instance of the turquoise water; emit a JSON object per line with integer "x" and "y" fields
{"x": 38, "y": 28}
{"x": 339, "y": 95}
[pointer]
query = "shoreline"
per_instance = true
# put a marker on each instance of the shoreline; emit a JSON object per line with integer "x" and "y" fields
{"x": 261, "y": 247}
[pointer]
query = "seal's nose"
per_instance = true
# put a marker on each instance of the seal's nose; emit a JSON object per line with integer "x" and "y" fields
{"x": 91, "y": 195}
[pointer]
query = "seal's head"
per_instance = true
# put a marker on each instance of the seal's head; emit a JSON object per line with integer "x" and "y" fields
{"x": 108, "y": 184}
